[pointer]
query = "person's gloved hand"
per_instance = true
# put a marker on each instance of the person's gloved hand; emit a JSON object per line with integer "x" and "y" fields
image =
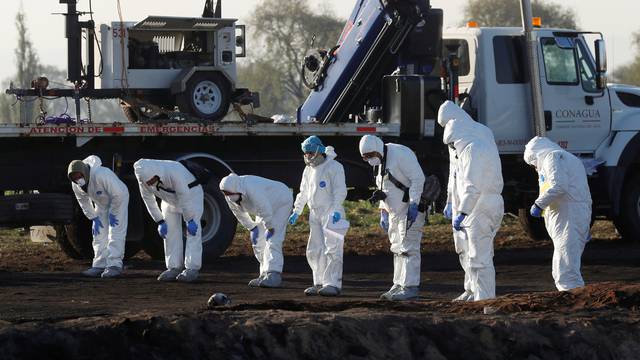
{"x": 162, "y": 229}
{"x": 293, "y": 218}
{"x": 336, "y": 217}
{"x": 412, "y": 214}
{"x": 192, "y": 227}
{"x": 97, "y": 224}
{"x": 270, "y": 233}
{"x": 253, "y": 235}
{"x": 384, "y": 220}
{"x": 448, "y": 211}
{"x": 113, "y": 220}
{"x": 457, "y": 223}
{"x": 536, "y": 211}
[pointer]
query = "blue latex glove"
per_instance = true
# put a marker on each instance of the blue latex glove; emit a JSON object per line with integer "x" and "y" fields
{"x": 448, "y": 211}
{"x": 336, "y": 217}
{"x": 113, "y": 220}
{"x": 384, "y": 220}
{"x": 457, "y": 223}
{"x": 270, "y": 233}
{"x": 192, "y": 227}
{"x": 254, "y": 235}
{"x": 162, "y": 229}
{"x": 536, "y": 211}
{"x": 412, "y": 214}
{"x": 97, "y": 224}
{"x": 293, "y": 219}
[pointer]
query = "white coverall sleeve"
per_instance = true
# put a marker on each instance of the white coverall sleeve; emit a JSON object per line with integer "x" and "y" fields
{"x": 412, "y": 170}
{"x": 556, "y": 181}
{"x": 151, "y": 203}
{"x": 243, "y": 217}
{"x": 263, "y": 208}
{"x": 303, "y": 196}
{"x": 471, "y": 177}
{"x": 339, "y": 186}
{"x": 118, "y": 197}
{"x": 181, "y": 187}
{"x": 451, "y": 180}
{"x": 85, "y": 202}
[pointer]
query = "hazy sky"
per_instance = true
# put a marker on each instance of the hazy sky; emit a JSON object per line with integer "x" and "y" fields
{"x": 617, "y": 21}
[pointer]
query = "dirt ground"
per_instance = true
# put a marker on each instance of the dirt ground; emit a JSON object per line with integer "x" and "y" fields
{"x": 47, "y": 310}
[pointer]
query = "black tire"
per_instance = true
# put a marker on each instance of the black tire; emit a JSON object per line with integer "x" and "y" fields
{"x": 628, "y": 222}
{"x": 80, "y": 238}
{"x": 65, "y": 244}
{"x": 206, "y": 88}
{"x": 218, "y": 227}
{"x": 534, "y": 227}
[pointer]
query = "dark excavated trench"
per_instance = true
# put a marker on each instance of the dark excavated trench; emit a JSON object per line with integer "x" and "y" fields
{"x": 600, "y": 321}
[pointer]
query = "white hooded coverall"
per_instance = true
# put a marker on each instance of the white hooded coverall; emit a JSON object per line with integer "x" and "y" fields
{"x": 179, "y": 204}
{"x": 402, "y": 163}
{"x": 566, "y": 201}
{"x": 324, "y": 189}
{"x": 270, "y": 202}
{"x": 106, "y": 193}
{"x": 450, "y": 111}
{"x": 478, "y": 188}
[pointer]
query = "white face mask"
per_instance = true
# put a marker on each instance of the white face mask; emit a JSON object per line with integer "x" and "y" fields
{"x": 81, "y": 182}
{"x": 374, "y": 161}
{"x": 233, "y": 198}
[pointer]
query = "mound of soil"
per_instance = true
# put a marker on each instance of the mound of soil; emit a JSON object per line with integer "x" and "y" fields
{"x": 597, "y": 322}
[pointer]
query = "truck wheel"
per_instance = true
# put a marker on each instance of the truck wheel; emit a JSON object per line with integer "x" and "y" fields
{"x": 534, "y": 227}
{"x": 628, "y": 222}
{"x": 79, "y": 237}
{"x": 64, "y": 243}
{"x": 218, "y": 227}
{"x": 207, "y": 96}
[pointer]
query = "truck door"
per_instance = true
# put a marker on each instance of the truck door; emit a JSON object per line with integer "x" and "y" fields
{"x": 577, "y": 114}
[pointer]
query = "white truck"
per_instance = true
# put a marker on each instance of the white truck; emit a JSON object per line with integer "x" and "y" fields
{"x": 598, "y": 122}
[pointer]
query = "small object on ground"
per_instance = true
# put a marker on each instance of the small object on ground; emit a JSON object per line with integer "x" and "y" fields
{"x": 218, "y": 299}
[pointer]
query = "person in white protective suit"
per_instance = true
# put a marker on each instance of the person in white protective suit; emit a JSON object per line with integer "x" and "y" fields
{"x": 270, "y": 202}
{"x": 565, "y": 204}
{"x": 449, "y": 111}
{"x": 104, "y": 199}
{"x": 323, "y": 188}
{"x": 400, "y": 180}
{"x": 182, "y": 201}
{"x": 478, "y": 203}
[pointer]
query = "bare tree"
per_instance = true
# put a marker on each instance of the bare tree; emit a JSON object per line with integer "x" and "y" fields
{"x": 630, "y": 73}
{"x": 285, "y": 29}
{"x": 507, "y": 13}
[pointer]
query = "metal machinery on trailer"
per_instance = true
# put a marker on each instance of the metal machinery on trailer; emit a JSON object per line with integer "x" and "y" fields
{"x": 384, "y": 77}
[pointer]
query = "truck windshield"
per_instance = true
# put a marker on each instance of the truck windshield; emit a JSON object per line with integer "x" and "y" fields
{"x": 560, "y": 63}
{"x": 587, "y": 68}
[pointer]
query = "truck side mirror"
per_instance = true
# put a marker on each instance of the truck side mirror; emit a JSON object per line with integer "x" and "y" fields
{"x": 601, "y": 63}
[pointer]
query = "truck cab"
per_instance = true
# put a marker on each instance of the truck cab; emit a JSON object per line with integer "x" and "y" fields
{"x": 599, "y": 123}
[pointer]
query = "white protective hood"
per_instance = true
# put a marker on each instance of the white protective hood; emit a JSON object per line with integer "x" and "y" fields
{"x": 371, "y": 143}
{"x": 537, "y": 149}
